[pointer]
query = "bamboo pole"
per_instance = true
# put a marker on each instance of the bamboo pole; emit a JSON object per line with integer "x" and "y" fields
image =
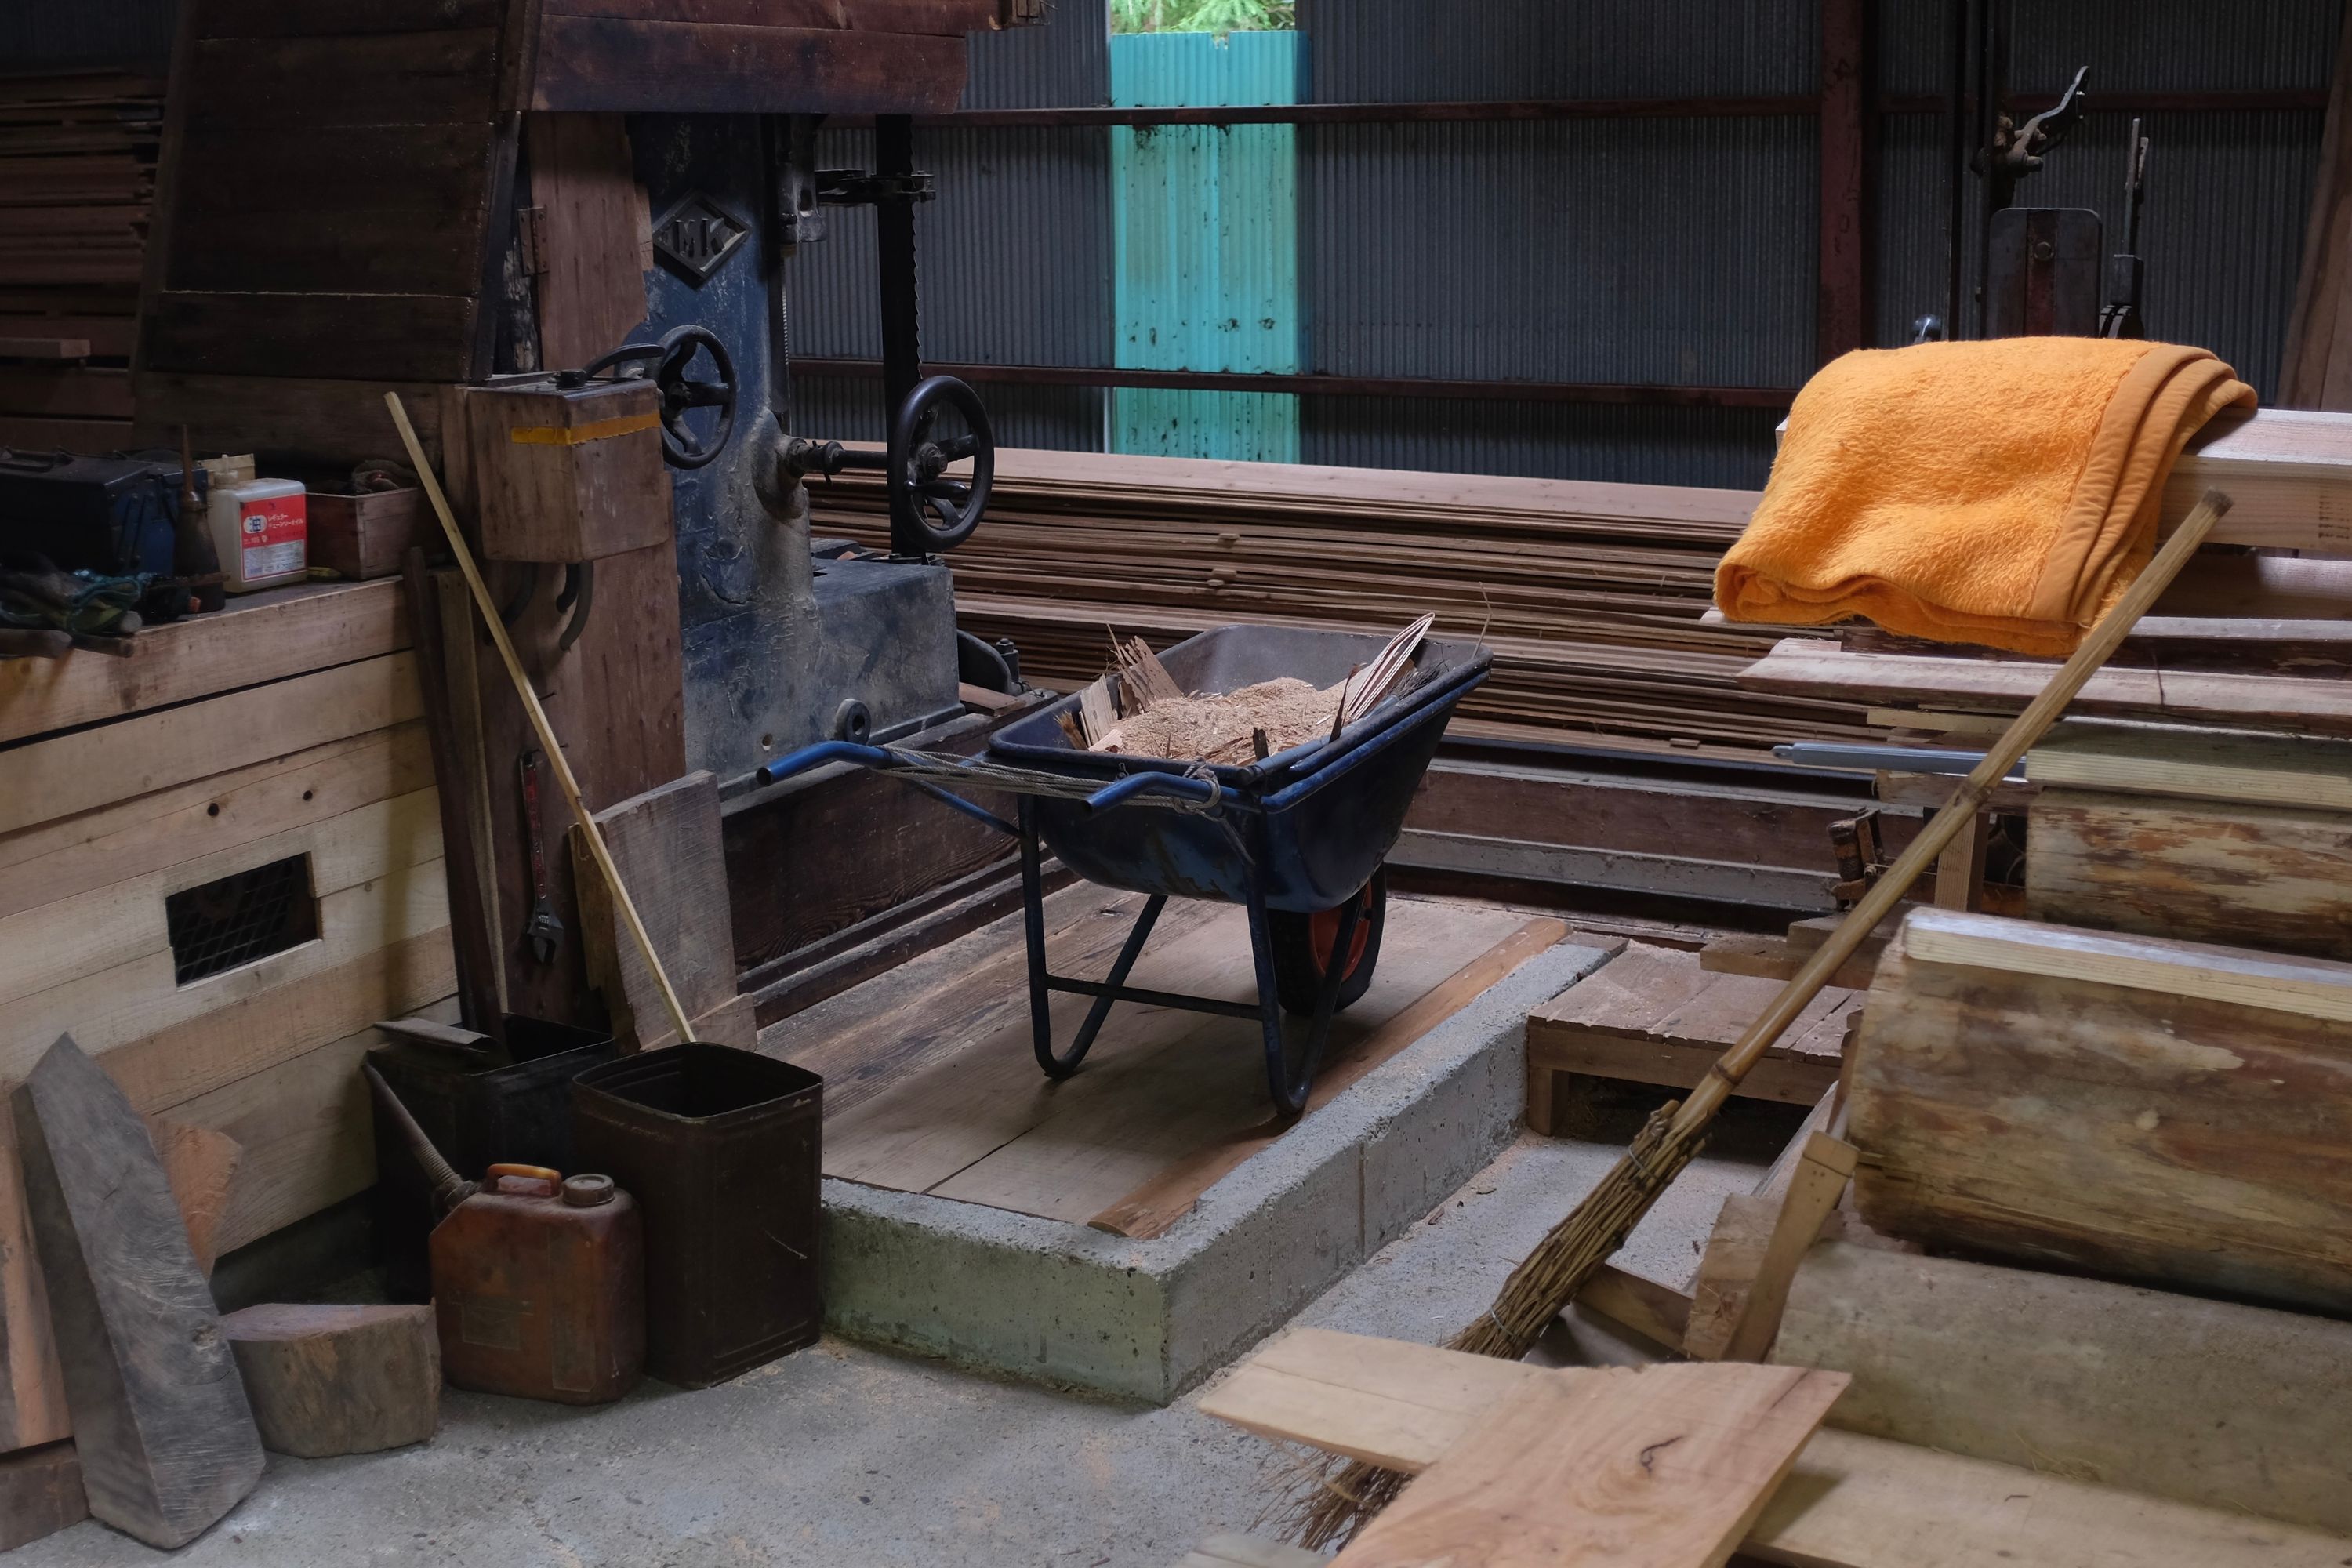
{"x": 548, "y": 743}
{"x": 1572, "y": 1251}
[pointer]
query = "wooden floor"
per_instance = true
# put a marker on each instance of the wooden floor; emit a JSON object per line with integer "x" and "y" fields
{"x": 931, "y": 1086}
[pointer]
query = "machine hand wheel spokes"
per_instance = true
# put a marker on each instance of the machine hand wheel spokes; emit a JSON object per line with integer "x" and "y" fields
{"x": 672, "y": 358}
{"x": 940, "y": 508}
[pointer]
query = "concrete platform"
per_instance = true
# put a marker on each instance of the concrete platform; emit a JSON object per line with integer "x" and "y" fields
{"x": 1043, "y": 1296}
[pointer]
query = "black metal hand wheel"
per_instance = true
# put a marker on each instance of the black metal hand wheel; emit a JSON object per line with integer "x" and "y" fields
{"x": 922, "y": 490}
{"x": 671, "y": 358}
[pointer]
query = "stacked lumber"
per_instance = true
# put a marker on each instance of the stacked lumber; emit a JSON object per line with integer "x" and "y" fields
{"x": 1592, "y": 595}
{"x": 77, "y": 158}
{"x": 285, "y": 727}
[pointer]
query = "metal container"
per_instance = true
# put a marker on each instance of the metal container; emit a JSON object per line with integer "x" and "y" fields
{"x": 477, "y": 1110}
{"x": 721, "y": 1148}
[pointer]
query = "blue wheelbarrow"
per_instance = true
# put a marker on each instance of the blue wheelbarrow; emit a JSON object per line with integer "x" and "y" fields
{"x": 1298, "y": 839}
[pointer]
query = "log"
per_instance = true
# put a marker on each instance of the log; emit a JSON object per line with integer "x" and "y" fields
{"x": 2203, "y": 1401}
{"x": 328, "y": 1380}
{"x": 165, "y": 1437}
{"x": 2273, "y": 876}
{"x": 2162, "y": 1111}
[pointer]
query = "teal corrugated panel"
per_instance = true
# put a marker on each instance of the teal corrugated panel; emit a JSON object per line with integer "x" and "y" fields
{"x": 1206, "y": 247}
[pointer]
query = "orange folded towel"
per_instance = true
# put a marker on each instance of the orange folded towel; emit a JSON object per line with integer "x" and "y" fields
{"x": 2001, "y": 492}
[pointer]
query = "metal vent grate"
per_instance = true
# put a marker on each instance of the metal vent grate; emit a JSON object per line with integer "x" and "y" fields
{"x": 240, "y": 918}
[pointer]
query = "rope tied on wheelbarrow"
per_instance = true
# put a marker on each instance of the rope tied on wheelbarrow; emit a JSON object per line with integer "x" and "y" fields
{"x": 981, "y": 772}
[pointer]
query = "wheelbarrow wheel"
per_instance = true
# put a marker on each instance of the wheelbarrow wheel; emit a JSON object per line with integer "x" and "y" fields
{"x": 1302, "y": 944}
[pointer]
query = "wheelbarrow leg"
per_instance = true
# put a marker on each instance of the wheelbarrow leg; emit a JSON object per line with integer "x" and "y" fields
{"x": 1032, "y": 917}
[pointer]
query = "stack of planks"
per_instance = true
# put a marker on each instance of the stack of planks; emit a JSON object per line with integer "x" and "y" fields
{"x": 284, "y": 729}
{"x": 76, "y": 175}
{"x": 1590, "y": 595}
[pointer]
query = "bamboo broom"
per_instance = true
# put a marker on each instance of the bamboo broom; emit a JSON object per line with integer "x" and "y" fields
{"x": 552, "y": 748}
{"x": 1542, "y": 1285}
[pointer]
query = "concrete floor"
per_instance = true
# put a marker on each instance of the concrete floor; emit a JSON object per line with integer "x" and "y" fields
{"x": 850, "y": 1458}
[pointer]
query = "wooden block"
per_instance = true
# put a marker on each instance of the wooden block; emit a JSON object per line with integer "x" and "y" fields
{"x": 1658, "y": 1312}
{"x": 1728, "y": 1270}
{"x": 1961, "y": 868}
{"x": 2256, "y": 770}
{"x": 40, "y": 1493}
{"x": 199, "y": 1165}
{"x": 568, "y": 476}
{"x": 2203, "y": 1401}
{"x": 2159, "y": 1111}
{"x": 107, "y": 763}
{"x": 33, "y": 1410}
{"x": 1850, "y": 1502}
{"x": 2289, "y": 470}
{"x": 668, "y": 846}
{"x": 1655, "y": 1015}
{"x": 166, "y": 1441}
{"x": 2277, "y": 876}
{"x": 328, "y": 1380}
{"x": 363, "y": 536}
{"x": 1664, "y": 1466}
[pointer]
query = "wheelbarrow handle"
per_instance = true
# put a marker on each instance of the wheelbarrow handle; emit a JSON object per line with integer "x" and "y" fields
{"x": 1128, "y": 788}
{"x": 818, "y": 755}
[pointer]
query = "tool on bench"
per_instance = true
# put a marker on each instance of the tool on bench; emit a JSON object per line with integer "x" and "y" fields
{"x": 590, "y": 834}
{"x": 1572, "y": 1252}
{"x": 543, "y": 930}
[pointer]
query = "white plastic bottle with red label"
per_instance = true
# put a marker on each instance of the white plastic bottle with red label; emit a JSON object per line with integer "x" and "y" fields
{"x": 262, "y": 529}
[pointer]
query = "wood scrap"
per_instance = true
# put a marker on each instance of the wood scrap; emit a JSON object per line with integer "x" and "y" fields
{"x": 1658, "y": 1312}
{"x": 2204, "y": 1402}
{"x": 40, "y": 1493}
{"x": 2195, "y": 764}
{"x": 198, "y": 1165}
{"x": 325, "y": 1380}
{"x": 1743, "y": 1278}
{"x": 166, "y": 1438}
{"x": 2166, "y": 1111}
{"x": 668, "y": 846}
{"x": 1851, "y": 1501}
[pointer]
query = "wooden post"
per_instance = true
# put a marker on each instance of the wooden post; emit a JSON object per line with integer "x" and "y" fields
{"x": 1842, "y": 319}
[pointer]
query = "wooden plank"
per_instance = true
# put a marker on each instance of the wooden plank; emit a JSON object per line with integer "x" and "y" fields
{"x": 2258, "y": 770}
{"x": 1656, "y": 1311}
{"x": 590, "y": 213}
{"x": 93, "y": 767}
{"x": 40, "y": 1493}
{"x": 1194, "y": 1094}
{"x": 284, "y": 419}
{"x": 668, "y": 848}
{"x": 157, "y": 831}
{"x": 167, "y": 1041}
{"x": 47, "y": 348}
{"x": 165, "y": 1440}
{"x": 1159, "y": 1203}
{"x": 2289, "y": 471}
{"x": 1809, "y": 667}
{"x": 326, "y": 1380}
{"x": 1658, "y": 1015}
{"x": 319, "y": 335}
{"x": 304, "y": 86}
{"x": 108, "y": 337}
{"x": 2160, "y": 1111}
{"x": 54, "y": 943}
{"x": 87, "y": 438}
{"x": 1664, "y": 1466}
{"x": 611, "y": 65}
{"x": 1850, "y": 1502}
{"x": 260, "y": 637}
{"x": 2271, "y": 877}
{"x": 1728, "y": 1271}
{"x": 66, "y": 392}
{"x": 2203, "y": 1401}
{"x": 268, "y": 19}
{"x": 32, "y": 1395}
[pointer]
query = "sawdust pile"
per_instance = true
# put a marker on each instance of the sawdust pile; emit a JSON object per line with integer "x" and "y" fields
{"x": 1217, "y": 729}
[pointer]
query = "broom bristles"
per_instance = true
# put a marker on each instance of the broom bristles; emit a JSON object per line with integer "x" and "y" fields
{"x": 1332, "y": 1506}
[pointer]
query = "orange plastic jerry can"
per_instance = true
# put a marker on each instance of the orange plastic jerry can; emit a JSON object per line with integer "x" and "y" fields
{"x": 539, "y": 1284}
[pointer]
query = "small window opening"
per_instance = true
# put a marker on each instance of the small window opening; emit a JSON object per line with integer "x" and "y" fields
{"x": 240, "y": 918}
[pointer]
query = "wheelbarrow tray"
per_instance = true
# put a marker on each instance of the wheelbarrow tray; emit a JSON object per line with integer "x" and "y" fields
{"x": 1329, "y": 811}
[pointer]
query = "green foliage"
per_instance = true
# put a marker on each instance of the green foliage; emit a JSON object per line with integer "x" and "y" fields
{"x": 1202, "y": 15}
